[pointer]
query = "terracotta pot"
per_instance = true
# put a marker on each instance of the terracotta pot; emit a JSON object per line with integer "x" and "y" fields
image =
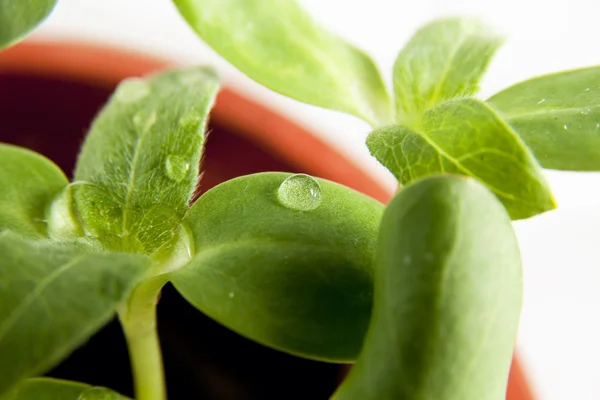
{"x": 50, "y": 91}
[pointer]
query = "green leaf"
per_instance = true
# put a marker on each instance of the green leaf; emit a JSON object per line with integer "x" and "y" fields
{"x": 443, "y": 60}
{"x": 448, "y": 292}
{"x": 558, "y": 116}
{"x": 29, "y": 182}
{"x": 465, "y": 136}
{"x": 139, "y": 165}
{"x": 56, "y": 389}
{"x": 19, "y": 17}
{"x": 53, "y": 298}
{"x": 279, "y": 45}
{"x": 289, "y": 268}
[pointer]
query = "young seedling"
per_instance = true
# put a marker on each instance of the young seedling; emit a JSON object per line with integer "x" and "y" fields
{"x": 291, "y": 261}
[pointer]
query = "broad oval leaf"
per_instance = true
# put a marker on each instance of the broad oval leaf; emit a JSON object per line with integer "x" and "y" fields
{"x": 558, "y": 116}
{"x": 139, "y": 164}
{"x": 58, "y": 389}
{"x": 443, "y": 60}
{"x": 29, "y": 182}
{"x": 276, "y": 43}
{"x": 465, "y": 136}
{"x": 53, "y": 297}
{"x": 296, "y": 279}
{"x": 19, "y": 17}
{"x": 448, "y": 292}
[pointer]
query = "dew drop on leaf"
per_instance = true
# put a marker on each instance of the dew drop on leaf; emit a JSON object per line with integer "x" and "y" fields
{"x": 98, "y": 393}
{"x": 191, "y": 121}
{"x": 565, "y": 127}
{"x": 132, "y": 90}
{"x": 300, "y": 192}
{"x": 176, "y": 167}
{"x": 143, "y": 120}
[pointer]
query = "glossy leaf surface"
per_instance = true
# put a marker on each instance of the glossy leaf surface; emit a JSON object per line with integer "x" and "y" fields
{"x": 19, "y": 17}
{"x": 448, "y": 291}
{"x": 53, "y": 298}
{"x": 28, "y": 183}
{"x": 296, "y": 277}
{"x": 276, "y": 43}
{"x": 443, "y": 60}
{"x": 467, "y": 137}
{"x": 558, "y": 116}
{"x": 139, "y": 164}
{"x": 56, "y": 389}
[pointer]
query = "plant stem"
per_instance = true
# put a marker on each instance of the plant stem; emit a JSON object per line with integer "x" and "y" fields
{"x": 138, "y": 318}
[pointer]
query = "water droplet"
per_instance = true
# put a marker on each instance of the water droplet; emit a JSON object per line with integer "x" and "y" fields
{"x": 144, "y": 119}
{"x": 177, "y": 167}
{"x": 192, "y": 121}
{"x": 231, "y": 295}
{"x": 132, "y": 90}
{"x": 98, "y": 393}
{"x": 565, "y": 127}
{"x": 300, "y": 192}
{"x": 541, "y": 101}
{"x": 407, "y": 260}
{"x": 598, "y": 125}
{"x": 587, "y": 90}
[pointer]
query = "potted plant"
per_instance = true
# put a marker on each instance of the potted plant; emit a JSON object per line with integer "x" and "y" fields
{"x": 291, "y": 261}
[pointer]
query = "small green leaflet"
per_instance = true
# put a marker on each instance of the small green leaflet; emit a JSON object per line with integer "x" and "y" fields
{"x": 276, "y": 43}
{"x": 285, "y": 261}
{"x": 443, "y": 60}
{"x": 53, "y": 297}
{"x": 447, "y": 301}
{"x": 29, "y": 182}
{"x": 19, "y": 17}
{"x": 57, "y": 389}
{"x": 139, "y": 165}
{"x": 558, "y": 116}
{"x": 467, "y": 137}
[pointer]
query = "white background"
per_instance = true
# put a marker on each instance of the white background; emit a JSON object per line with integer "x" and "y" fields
{"x": 559, "y": 338}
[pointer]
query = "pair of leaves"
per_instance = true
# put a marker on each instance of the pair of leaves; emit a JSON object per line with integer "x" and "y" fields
{"x": 298, "y": 263}
{"x": 19, "y": 17}
{"x": 443, "y": 61}
{"x": 53, "y": 296}
{"x": 447, "y": 297}
{"x": 440, "y": 129}
{"x": 136, "y": 174}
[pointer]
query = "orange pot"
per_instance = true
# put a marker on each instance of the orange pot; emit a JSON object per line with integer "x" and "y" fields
{"x": 247, "y": 137}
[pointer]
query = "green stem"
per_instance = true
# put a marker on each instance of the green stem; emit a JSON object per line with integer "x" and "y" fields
{"x": 138, "y": 318}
